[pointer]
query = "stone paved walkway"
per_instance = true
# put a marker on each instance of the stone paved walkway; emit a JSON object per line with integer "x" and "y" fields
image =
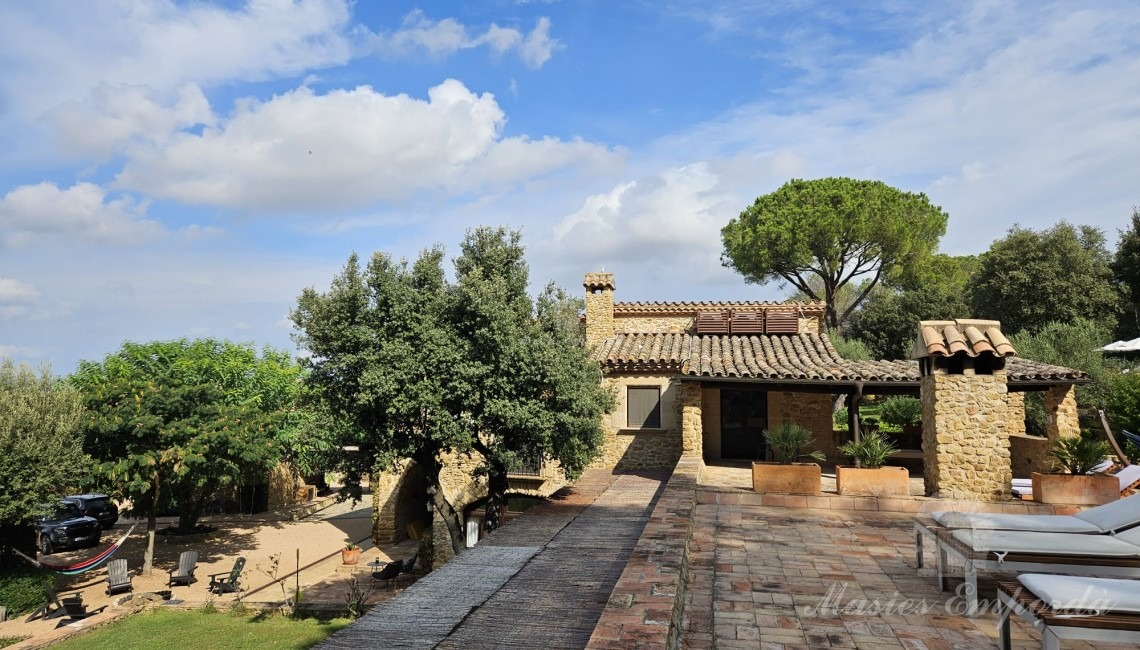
{"x": 539, "y": 582}
{"x": 788, "y": 578}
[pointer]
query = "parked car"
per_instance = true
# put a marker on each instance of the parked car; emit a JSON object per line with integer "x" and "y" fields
{"x": 98, "y": 506}
{"x": 67, "y": 527}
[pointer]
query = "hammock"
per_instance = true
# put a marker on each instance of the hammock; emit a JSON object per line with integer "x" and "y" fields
{"x": 84, "y": 566}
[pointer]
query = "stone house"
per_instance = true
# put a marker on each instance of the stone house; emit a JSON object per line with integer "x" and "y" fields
{"x": 708, "y": 377}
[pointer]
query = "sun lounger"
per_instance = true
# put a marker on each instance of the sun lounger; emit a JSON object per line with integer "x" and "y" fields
{"x": 1012, "y": 550}
{"x": 1070, "y": 607}
{"x": 1107, "y": 518}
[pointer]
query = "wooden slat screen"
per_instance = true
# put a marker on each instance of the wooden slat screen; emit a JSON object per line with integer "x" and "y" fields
{"x": 747, "y": 322}
{"x": 643, "y": 407}
{"x": 712, "y": 322}
{"x": 782, "y": 324}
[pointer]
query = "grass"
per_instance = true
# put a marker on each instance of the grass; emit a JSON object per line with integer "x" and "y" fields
{"x": 174, "y": 630}
{"x": 10, "y": 640}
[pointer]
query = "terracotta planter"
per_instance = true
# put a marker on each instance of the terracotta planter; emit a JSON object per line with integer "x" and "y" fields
{"x": 877, "y": 482}
{"x": 1075, "y": 490}
{"x": 349, "y": 556}
{"x": 797, "y": 478}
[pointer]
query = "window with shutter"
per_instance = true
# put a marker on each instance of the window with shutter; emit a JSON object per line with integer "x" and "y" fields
{"x": 643, "y": 407}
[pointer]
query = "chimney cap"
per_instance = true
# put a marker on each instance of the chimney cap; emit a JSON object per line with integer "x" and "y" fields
{"x": 601, "y": 280}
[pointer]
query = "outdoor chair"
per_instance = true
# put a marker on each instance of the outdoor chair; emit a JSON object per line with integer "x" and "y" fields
{"x": 388, "y": 572}
{"x": 408, "y": 568}
{"x": 1070, "y": 607}
{"x": 75, "y": 610}
{"x": 1116, "y": 446}
{"x": 1108, "y": 518}
{"x": 184, "y": 574}
{"x": 229, "y": 581}
{"x": 51, "y": 609}
{"x": 1016, "y": 550}
{"x": 118, "y": 577}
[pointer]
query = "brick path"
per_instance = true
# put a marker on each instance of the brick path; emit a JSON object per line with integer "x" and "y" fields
{"x": 540, "y": 582}
{"x": 788, "y": 578}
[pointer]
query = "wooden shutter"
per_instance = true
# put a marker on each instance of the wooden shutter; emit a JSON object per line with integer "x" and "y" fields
{"x": 782, "y": 324}
{"x": 643, "y": 407}
{"x": 712, "y": 322}
{"x": 747, "y": 322}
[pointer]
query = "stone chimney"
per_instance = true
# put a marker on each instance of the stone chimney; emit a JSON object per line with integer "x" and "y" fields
{"x": 599, "y": 307}
{"x": 965, "y": 441}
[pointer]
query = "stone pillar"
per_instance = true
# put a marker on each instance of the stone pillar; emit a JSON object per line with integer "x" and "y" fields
{"x": 1061, "y": 413}
{"x": 599, "y": 307}
{"x": 964, "y": 437}
{"x": 1016, "y": 406}
{"x": 692, "y": 429}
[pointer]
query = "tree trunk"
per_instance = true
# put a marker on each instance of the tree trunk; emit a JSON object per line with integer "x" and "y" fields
{"x": 151, "y": 526}
{"x": 452, "y": 519}
{"x": 188, "y": 515}
{"x": 496, "y": 498}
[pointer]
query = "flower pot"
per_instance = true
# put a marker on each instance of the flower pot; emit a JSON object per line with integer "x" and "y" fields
{"x": 797, "y": 478}
{"x": 1070, "y": 489}
{"x": 877, "y": 482}
{"x": 349, "y": 555}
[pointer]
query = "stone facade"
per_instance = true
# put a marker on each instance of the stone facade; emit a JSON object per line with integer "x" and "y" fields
{"x": 599, "y": 307}
{"x": 633, "y": 448}
{"x": 964, "y": 437}
{"x": 1061, "y": 409}
{"x": 654, "y": 324}
{"x": 691, "y": 418}
{"x": 812, "y": 411}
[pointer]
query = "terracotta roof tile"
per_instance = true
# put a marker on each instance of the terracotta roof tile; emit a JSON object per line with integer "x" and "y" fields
{"x": 972, "y": 337}
{"x": 807, "y": 358}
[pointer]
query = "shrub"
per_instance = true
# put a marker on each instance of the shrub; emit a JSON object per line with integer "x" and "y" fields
{"x": 24, "y": 589}
{"x": 839, "y": 418}
{"x": 1123, "y": 403}
{"x": 871, "y": 451}
{"x": 1080, "y": 454}
{"x": 789, "y": 443}
{"x": 901, "y": 411}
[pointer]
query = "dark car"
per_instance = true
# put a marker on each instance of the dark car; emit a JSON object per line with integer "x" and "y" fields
{"x": 98, "y": 506}
{"x": 67, "y": 527}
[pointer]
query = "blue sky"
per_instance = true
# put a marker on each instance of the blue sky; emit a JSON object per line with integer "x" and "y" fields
{"x": 187, "y": 168}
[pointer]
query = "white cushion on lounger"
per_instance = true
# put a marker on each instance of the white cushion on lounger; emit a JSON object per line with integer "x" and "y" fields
{"x": 1082, "y": 594}
{"x": 1115, "y": 515}
{"x": 1127, "y": 476}
{"x": 1022, "y": 482}
{"x": 1018, "y": 541}
{"x": 996, "y": 521}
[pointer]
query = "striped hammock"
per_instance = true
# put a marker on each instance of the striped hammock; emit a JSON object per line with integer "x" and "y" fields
{"x": 83, "y": 566}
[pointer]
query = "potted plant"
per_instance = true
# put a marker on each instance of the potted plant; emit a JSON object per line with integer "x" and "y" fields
{"x": 870, "y": 476}
{"x": 789, "y": 443}
{"x": 1078, "y": 485}
{"x": 350, "y": 554}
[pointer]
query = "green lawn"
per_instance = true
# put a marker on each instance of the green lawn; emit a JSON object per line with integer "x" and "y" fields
{"x": 172, "y": 630}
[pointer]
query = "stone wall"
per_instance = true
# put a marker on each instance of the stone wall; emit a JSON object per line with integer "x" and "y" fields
{"x": 285, "y": 487}
{"x": 813, "y": 411}
{"x": 654, "y": 324}
{"x": 964, "y": 437}
{"x": 1061, "y": 409}
{"x": 629, "y": 448}
{"x": 1015, "y": 423}
{"x": 1028, "y": 454}
{"x": 599, "y": 307}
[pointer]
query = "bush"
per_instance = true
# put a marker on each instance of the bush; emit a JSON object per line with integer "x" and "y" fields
{"x": 839, "y": 418}
{"x": 789, "y": 443}
{"x": 901, "y": 411}
{"x": 24, "y": 589}
{"x": 1080, "y": 454}
{"x": 1124, "y": 402}
{"x": 872, "y": 450}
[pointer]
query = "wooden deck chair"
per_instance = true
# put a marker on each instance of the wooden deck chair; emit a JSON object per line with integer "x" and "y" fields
{"x": 118, "y": 577}
{"x": 1037, "y": 552}
{"x": 1117, "y": 448}
{"x": 229, "y": 581}
{"x": 51, "y": 609}
{"x": 184, "y": 574}
{"x": 1070, "y": 607}
{"x": 75, "y": 610}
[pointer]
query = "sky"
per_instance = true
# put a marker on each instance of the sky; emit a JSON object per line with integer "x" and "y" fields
{"x": 185, "y": 169}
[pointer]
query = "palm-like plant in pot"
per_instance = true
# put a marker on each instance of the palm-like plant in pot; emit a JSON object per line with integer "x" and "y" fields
{"x": 1078, "y": 483}
{"x": 870, "y": 476}
{"x": 789, "y": 443}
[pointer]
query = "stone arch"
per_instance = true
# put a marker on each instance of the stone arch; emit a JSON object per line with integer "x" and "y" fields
{"x": 399, "y": 498}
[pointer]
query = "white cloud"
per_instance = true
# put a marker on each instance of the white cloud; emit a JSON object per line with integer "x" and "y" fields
{"x": 162, "y": 44}
{"x": 113, "y": 116}
{"x": 439, "y": 39}
{"x": 347, "y": 149}
{"x": 81, "y": 212}
{"x": 15, "y": 291}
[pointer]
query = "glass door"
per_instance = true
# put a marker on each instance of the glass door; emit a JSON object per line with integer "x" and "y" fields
{"x": 743, "y": 416}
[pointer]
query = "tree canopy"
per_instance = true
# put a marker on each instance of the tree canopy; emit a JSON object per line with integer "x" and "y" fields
{"x": 839, "y": 230}
{"x": 41, "y": 454}
{"x": 1030, "y": 278}
{"x": 415, "y": 366}
{"x": 172, "y": 422}
{"x": 1126, "y": 269}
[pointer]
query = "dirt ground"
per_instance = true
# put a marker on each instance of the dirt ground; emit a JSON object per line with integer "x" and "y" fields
{"x": 261, "y": 539}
